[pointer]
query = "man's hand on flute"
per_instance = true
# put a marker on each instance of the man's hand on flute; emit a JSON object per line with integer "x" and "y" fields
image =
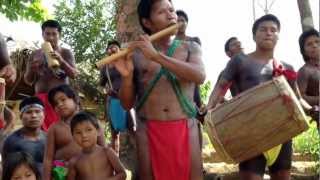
{"x": 146, "y": 47}
{"x": 124, "y": 66}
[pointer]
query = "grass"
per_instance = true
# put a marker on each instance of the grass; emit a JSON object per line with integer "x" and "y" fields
{"x": 308, "y": 142}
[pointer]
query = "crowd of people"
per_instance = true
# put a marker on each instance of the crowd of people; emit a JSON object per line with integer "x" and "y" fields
{"x": 153, "y": 93}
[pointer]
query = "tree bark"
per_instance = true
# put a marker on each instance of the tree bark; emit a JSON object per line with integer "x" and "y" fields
{"x": 305, "y": 14}
{"x": 128, "y": 29}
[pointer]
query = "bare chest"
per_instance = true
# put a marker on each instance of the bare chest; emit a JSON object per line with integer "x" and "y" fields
{"x": 94, "y": 166}
{"x": 63, "y": 136}
{"x": 150, "y": 69}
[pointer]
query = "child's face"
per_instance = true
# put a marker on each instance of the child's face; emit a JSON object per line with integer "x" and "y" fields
{"x": 23, "y": 172}
{"x": 85, "y": 134}
{"x": 64, "y": 105}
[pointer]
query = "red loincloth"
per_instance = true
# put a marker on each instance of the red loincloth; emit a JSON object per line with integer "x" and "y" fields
{"x": 50, "y": 115}
{"x": 2, "y": 123}
{"x": 169, "y": 149}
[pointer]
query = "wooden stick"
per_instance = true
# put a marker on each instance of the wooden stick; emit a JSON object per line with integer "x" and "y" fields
{"x": 125, "y": 51}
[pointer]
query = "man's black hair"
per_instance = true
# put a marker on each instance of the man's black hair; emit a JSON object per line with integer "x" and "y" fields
{"x": 183, "y": 14}
{"x": 144, "y": 11}
{"x": 51, "y": 24}
{"x": 302, "y": 40}
{"x": 267, "y": 17}
{"x": 227, "y": 44}
{"x": 30, "y": 100}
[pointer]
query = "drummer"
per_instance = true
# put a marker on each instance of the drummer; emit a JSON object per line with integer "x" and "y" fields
{"x": 309, "y": 73}
{"x": 246, "y": 71}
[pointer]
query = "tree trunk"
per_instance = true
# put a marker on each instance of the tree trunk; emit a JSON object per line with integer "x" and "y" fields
{"x": 305, "y": 14}
{"x": 128, "y": 29}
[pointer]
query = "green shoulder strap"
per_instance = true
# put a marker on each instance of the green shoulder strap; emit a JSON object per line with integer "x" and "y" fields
{"x": 185, "y": 103}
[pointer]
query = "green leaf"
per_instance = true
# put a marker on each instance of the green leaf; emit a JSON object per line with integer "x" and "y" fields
{"x": 27, "y": 9}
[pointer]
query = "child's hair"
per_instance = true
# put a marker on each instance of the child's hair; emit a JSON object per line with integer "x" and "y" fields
{"x": 84, "y": 116}
{"x": 67, "y": 90}
{"x": 14, "y": 160}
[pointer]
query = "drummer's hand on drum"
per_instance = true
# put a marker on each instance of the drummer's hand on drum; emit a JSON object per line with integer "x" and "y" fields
{"x": 305, "y": 105}
{"x": 314, "y": 113}
{"x": 145, "y": 45}
{"x": 9, "y": 73}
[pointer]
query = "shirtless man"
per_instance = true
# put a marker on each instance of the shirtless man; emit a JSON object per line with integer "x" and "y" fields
{"x": 7, "y": 71}
{"x": 249, "y": 70}
{"x": 61, "y": 147}
{"x": 183, "y": 19}
{"x": 111, "y": 80}
{"x": 309, "y": 73}
{"x": 29, "y": 138}
{"x": 167, "y": 133}
{"x": 181, "y": 35}
{"x": 232, "y": 47}
{"x": 43, "y": 77}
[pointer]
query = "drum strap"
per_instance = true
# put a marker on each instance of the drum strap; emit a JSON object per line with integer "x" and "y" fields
{"x": 185, "y": 103}
{"x": 279, "y": 70}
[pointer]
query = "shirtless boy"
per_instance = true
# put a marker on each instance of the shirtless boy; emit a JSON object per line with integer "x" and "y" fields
{"x": 95, "y": 162}
{"x": 60, "y": 146}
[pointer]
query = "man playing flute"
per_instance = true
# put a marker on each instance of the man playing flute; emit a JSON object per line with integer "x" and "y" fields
{"x": 158, "y": 79}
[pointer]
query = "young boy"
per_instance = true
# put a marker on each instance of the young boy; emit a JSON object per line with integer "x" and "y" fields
{"x": 95, "y": 162}
{"x": 60, "y": 146}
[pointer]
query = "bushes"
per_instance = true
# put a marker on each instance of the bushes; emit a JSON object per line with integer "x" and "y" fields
{"x": 309, "y": 143}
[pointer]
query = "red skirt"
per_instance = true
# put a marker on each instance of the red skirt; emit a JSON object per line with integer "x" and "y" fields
{"x": 169, "y": 149}
{"x": 50, "y": 114}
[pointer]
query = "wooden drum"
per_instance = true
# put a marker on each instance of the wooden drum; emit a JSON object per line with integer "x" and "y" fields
{"x": 255, "y": 121}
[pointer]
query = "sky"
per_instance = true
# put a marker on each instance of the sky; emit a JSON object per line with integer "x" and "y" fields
{"x": 214, "y": 22}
